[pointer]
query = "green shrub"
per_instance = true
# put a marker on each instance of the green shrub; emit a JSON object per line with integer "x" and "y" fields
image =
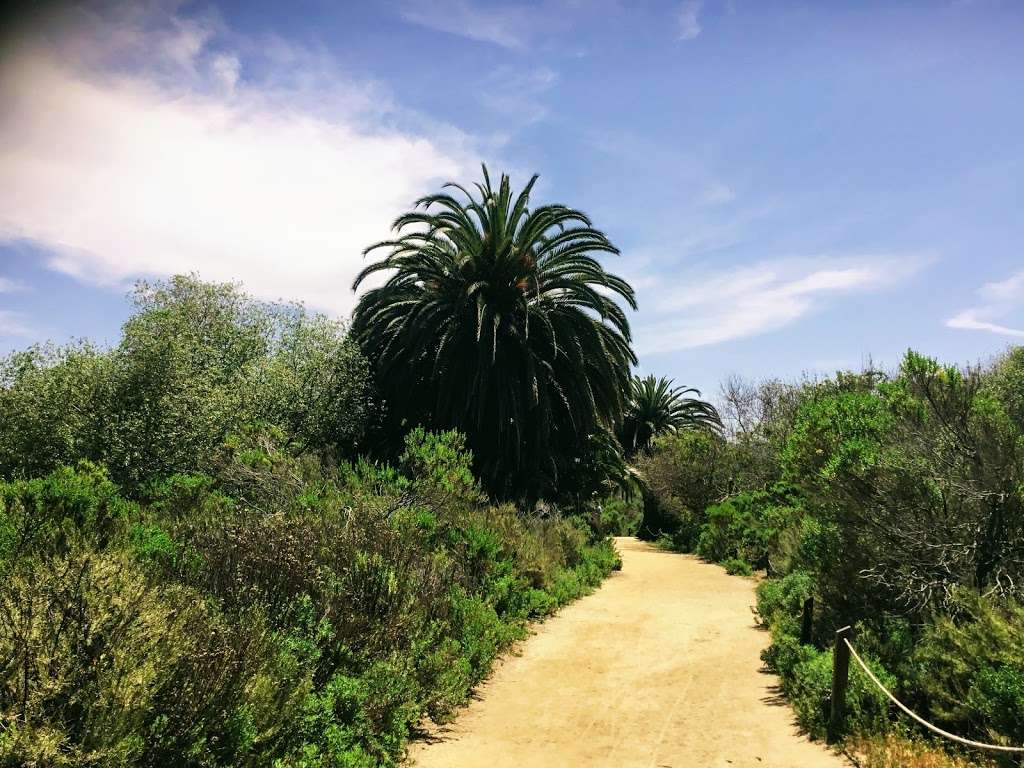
{"x": 785, "y": 651}
{"x": 192, "y": 573}
{"x": 998, "y": 700}
{"x": 684, "y": 473}
{"x": 729, "y": 531}
{"x": 737, "y": 567}
{"x": 197, "y": 361}
{"x": 783, "y": 596}
{"x": 272, "y": 612}
{"x": 618, "y": 516}
{"x": 51, "y": 514}
{"x": 115, "y": 670}
{"x": 440, "y": 461}
{"x": 748, "y": 526}
{"x": 809, "y": 686}
{"x": 969, "y": 670}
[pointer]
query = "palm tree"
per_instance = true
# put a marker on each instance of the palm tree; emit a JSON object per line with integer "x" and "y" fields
{"x": 498, "y": 320}
{"x": 656, "y": 407}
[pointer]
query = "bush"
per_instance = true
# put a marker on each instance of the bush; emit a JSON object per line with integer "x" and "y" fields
{"x": 50, "y": 515}
{"x": 738, "y": 567}
{"x": 115, "y": 670}
{"x": 685, "y": 472}
{"x": 618, "y": 516}
{"x": 729, "y": 530}
{"x": 785, "y": 651}
{"x": 783, "y": 597}
{"x": 809, "y": 685}
{"x": 197, "y": 361}
{"x": 969, "y": 670}
{"x": 274, "y": 612}
{"x": 748, "y": 526}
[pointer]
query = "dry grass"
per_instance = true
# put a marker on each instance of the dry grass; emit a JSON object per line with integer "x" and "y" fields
{"x": 895, "y": 751}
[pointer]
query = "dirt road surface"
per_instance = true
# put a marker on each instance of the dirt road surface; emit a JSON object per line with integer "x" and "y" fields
{"x": 659, "y": 668}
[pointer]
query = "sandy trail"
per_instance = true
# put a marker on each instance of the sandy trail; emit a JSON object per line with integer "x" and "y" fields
{"x": 659, "y": 668}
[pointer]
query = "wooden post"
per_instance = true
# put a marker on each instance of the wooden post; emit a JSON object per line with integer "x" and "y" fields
{"x": 807, "y": 625}
{"x": 840, "y": 677}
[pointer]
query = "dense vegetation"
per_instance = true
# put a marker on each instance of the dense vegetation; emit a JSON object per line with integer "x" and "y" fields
{"x": 219, "y": 546}
{"x": 896, "y": 502}
{"x": 498, "y": 320}
{"x": 245, "y": 536}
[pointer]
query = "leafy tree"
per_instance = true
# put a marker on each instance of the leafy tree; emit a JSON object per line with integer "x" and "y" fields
{"x": 498, "y": 320}
{"x": 52, "y": 405}
{"x": 921, "y": 477}
{"x": 656, "y": 407}
{"x": 683, "y": 474}
{"x": 196, "y": 362}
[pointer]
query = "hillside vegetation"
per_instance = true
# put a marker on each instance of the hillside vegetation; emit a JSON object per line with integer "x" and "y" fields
{"x": 197, "y": 571}
{"x": 251, "y": 535}
{"x": 896, "y": 502}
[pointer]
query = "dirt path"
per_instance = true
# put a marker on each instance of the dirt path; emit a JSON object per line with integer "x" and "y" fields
{"x": 660, "y": 667}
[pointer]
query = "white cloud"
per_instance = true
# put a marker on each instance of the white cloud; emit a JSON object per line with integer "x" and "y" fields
{"x": 688, "y": 19}
{"x": 718, "y": 194}
{"x": 226, "y": 68}
{"x": 505, "y": 25}
{"x": 701, "y": 309}
{"x": 185, "y": 163}
{"x": 11, "y": 286}
{"x": 14, "y": 324}
{"x": 1001, "y": 299}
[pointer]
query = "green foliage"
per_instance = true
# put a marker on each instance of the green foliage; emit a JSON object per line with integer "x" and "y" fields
{"x": 900, "y": 511}
{"x": 729, "y": 531}
{"x": 617, "y": 515}
{"x": 50, "y": 515}
{"x": 748, "y": 526}
{"x": 275, "y": 612}
{"x": 783, "y": 597}
{"x": 1004, "y": 384}
{"x": 837, "y": 434}
{"x": 52, "y": 404}
{"x": 969, "y": 669}
{"x": 684, "y": 474}
{"x": 196, "y": 362}
{"x": 494, "y": 321}
{"x": 657, "y": 408}
{"x": 736, "y": 566}
{"x": 442, "y": 462}
{"x": 254, "y": 603}
{"x": 809, "y": 685}
{"x": 921, "y": 477}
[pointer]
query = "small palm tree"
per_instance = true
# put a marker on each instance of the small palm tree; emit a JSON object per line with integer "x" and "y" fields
{"x": 656, "y": 407}
{"x": 498, "y": 320}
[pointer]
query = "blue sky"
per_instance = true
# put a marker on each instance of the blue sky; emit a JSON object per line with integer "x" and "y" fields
{"x": 794, "y": 186}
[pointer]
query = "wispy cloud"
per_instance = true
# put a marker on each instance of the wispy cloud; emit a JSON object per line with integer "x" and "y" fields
{"x": 517, "y": 96}
{"x": 505, "y": 25}
{"x": 169, "y": 155}
{"x": 688, "y": 19}
{"x": 700, "y": 309}
{"x": 14, "y": 324}
{"x": 718, "y": 194}
{"x": 999, "y": 299}
{"x": 11, "y": 286}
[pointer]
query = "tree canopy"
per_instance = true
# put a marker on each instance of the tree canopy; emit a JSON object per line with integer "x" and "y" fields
{"x": 499, "y": 320}
{"x": 657, "y": 407}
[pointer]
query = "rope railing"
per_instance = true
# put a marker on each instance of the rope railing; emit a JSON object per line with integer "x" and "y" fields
{"x": 840, "y": 671}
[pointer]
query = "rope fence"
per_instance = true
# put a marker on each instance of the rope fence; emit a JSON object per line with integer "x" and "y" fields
{"x": 840, "y": 674}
